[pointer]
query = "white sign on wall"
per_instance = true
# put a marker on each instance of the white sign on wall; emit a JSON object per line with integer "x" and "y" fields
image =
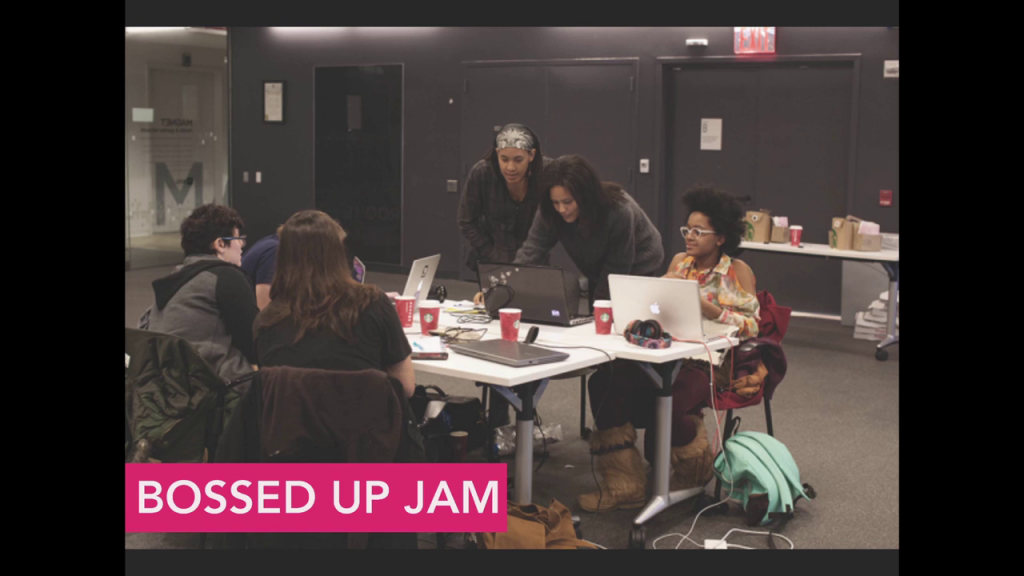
{"x": 711, "y": 134}
{"x": 892, "y": 69}
{"x": 142, "y": 115}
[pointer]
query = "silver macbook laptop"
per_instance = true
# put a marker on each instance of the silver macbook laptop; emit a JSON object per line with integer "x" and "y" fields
{"x": 511, "y": 353}
{"x": 421, "y": 276}
{"x": 674, "y": 303}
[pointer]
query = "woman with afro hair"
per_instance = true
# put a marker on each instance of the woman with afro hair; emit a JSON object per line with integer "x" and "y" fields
{"x": 620, "y": 404}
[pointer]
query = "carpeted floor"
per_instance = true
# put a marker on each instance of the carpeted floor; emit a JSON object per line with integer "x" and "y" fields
{"x": 837, "y": 411}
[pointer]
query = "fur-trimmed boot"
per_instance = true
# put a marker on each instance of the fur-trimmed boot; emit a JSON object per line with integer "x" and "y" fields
{"x": 693, "y": 464}
{"x": 621, "y": 467}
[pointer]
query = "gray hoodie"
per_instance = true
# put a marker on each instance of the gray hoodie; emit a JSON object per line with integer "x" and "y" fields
{"x": 211, "y": 304}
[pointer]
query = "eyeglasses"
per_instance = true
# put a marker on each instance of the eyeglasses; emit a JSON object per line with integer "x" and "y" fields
{"x": 685, "y": 231}
{"x": 456, "y": 334}
{"x": 228, "y": 239}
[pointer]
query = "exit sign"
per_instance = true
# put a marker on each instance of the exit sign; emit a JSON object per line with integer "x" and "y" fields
{"x": 885, "y": 198}
{"x": 754, "y": 40}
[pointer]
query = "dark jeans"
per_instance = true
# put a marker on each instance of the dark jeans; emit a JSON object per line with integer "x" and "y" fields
{"x": 622, "y": 392}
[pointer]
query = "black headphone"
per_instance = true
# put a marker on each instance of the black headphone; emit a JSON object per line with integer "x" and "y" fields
{"x": 647, "y": 334}
{"x": 438, "y": 293}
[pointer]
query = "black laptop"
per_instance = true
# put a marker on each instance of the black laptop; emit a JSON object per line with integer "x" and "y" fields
{"x": 539, "y": 291}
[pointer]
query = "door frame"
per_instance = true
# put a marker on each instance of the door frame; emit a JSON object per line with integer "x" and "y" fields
{"x": 663, "y": 197}
{"x": 401, "y": 188}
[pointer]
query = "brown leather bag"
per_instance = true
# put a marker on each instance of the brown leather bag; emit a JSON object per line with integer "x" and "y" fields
{"x": 533, "y": 527}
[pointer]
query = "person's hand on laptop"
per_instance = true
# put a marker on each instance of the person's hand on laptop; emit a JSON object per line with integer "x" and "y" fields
{"x": 478, "y": 300}
{"x": 710, "y": 310}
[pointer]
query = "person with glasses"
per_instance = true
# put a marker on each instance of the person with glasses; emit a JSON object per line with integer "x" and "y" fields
{"x": 713, "y": 231}
{"x": 622, "y": 398}
{"x": 208, "y": 300}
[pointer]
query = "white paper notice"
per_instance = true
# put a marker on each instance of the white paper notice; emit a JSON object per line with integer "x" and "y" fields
{"x": 711, "y": 134}
{"x": 142, "y": 114}
{"x": 273, "y": 110}
{"x": 892, "y": 69}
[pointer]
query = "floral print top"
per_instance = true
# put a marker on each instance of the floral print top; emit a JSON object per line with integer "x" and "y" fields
{"x": 720, "y": 287}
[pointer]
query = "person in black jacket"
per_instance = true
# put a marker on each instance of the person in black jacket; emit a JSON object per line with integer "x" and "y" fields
{"x": 501, "y": 196}
{"x": 497, "y": 209}
{"x": 319, "y": 316}
{"x": 208, "y": 300}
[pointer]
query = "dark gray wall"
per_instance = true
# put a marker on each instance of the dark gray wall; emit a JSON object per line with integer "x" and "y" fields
{"x": 434, "y": 72}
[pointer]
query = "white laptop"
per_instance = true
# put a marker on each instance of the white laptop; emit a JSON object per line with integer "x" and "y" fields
{"x": 421, "y": 276}
{"x": 674, "y": 303}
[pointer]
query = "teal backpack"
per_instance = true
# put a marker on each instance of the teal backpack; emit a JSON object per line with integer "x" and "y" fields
{"x": 767, "y": 479}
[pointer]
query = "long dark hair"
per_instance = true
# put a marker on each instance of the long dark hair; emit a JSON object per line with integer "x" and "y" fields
{"x": 594, "y": 197}
{"x": 532, "y": 174}
{"x": 313, "y": 284}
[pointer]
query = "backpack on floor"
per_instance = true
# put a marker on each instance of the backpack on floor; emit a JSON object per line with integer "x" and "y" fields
{"x": 767, "y": 480}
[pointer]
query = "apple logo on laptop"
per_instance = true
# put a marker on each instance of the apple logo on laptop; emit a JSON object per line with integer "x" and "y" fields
{"x": 655, "y": 309}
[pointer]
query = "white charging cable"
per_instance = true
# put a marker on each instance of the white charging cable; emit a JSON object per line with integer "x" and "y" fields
{"x": 728, "y": 466}
{"x": 732, "y": 484}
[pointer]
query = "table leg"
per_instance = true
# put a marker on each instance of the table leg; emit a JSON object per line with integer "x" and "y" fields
{"x": 524, "y": 446}
{"x": 663, "y": 376}
{"x": 893, "y": 268}
{"x": 525, "y": 397}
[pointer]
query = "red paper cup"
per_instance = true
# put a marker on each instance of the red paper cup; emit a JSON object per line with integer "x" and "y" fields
{"x": 603, "y": 316}
{"x": 510, "y": 323}
{"x": 795, "y": 232}
{"x": 405, "y": 305}
{"x": 458, "y": 440}
{"x": 430, "y": 313}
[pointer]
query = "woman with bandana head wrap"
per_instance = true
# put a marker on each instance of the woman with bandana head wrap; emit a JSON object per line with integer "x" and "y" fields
{"x": 497, "y": 209}
{"x": 501, "y": 196}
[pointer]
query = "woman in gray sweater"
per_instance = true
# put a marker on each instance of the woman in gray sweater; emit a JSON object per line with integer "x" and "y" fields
{"x": 600, "y": 226}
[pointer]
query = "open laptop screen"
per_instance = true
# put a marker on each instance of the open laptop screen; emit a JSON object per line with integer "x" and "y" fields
{"x": 539, "y": 291}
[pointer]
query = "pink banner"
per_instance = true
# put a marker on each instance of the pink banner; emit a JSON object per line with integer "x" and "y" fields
{"x": 315, "y": 498}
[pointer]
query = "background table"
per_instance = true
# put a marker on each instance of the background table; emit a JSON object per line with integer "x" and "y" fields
{"x": 889, "y": 259}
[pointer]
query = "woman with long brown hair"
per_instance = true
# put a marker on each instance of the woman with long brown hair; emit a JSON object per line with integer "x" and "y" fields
{"x": 319, "y": 316}
{"x": 601, "y": 227}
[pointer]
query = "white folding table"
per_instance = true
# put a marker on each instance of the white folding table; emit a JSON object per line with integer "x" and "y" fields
{"x": 523, "y": 387}
{"x": 529, "y": 384}
{"x": 889, "y": 259}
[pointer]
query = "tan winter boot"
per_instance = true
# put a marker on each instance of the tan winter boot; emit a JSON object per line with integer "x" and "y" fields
{"x": 693, "y": 464}
{"x": 622, "y": 470}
